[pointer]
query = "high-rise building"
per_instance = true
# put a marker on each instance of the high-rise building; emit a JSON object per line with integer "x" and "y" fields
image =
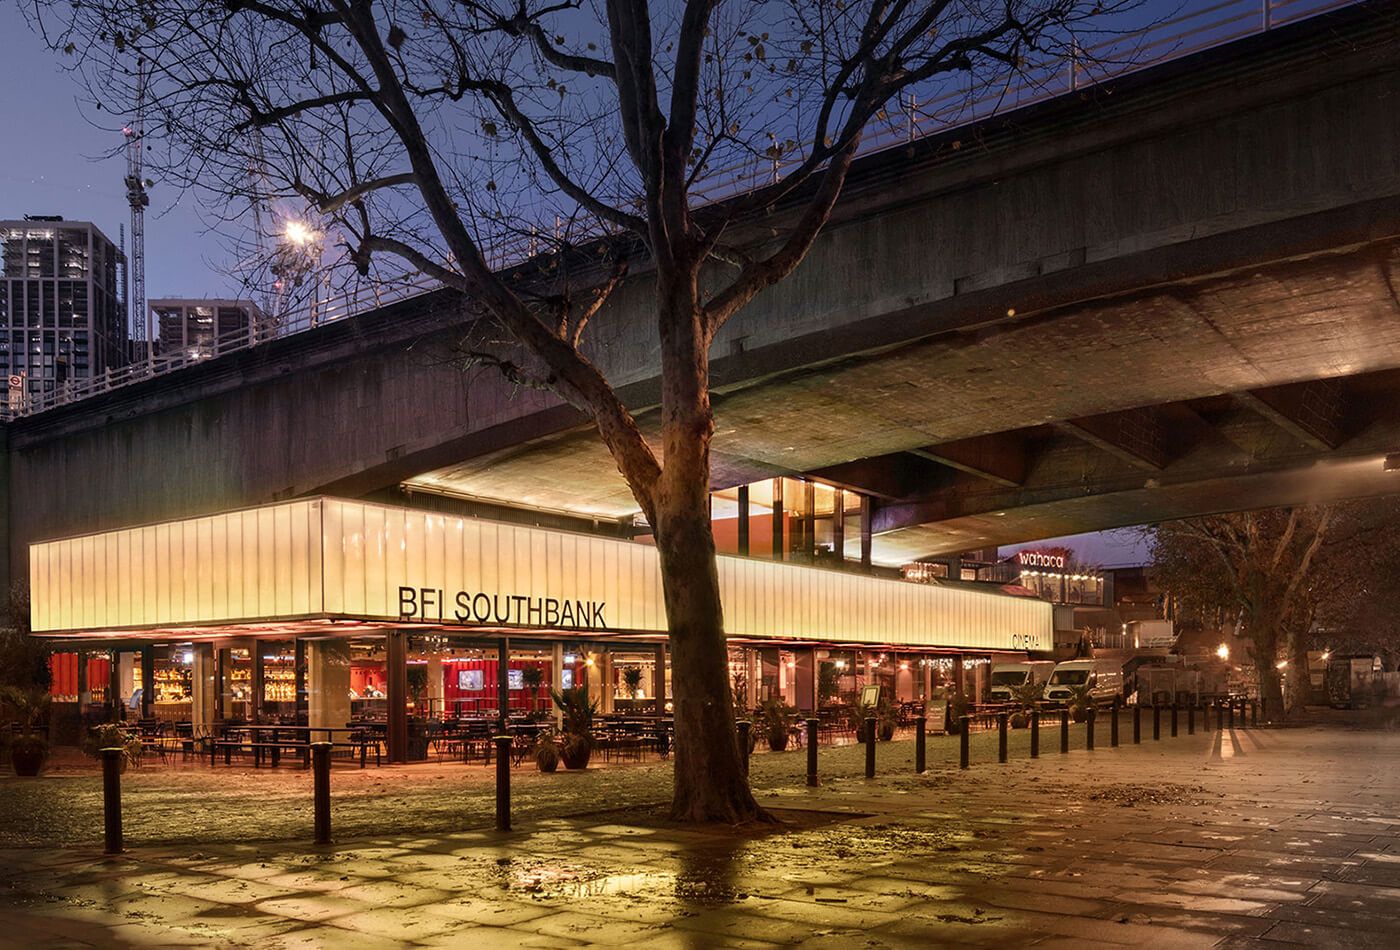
{"x": 201, "y": 328}
{"x": 62, "y": 318}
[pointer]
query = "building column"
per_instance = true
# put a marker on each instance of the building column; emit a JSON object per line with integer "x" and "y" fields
{"x": 743, "y": 521}
{"x": 805, "y": 679}
{"x": 204, "y": 684}
{"x": 556, "y": 678}
{"x": 396, "y": 674}
{"x": 838, "y": 525}
{"x": 259, "y": 673}
{"x": 779, "y": 548}
{"x": 658, "y": 679}
{"x": 958, "y": 683}
{"x": 328, "y": 686}
{"x": 299, "y": 680}
{"x": 148, "y": 680}
{"x": 221, "y": 665}
{"x": 115, "y": 708}
{"x": 866, "y": 538}
{"x": 84, "y": 690}
{"x": 926, "y": 663}
{"x": 606, "y": 683}
{"x": 435, "y": 694}
{"x": 503, "y": 681}
{"x": 809, "y": 521}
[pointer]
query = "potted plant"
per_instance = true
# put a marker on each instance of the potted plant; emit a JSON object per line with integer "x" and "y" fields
{"x": 632, "y": 680}
{"x": 28, "y": 749}
{"x": 576, "y": 743}
{"x": 1027, "y": 696}
{"x": 533, "y": 678}
{"x": 886, "y": 719}
{"x": 958, "y": 706}
{"x": 1081, "y": 698}
{"x": 113, "y": 735}
{"x": 773, "y": 717}
{"x": 546, "y": 752}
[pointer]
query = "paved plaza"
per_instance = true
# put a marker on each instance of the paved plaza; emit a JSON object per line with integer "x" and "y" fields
{"x": 1287, "y": 835}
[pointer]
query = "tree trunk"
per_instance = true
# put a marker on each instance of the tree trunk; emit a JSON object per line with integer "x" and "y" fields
{"x": 710, "y": 783}
{"x": 1265, "y": 638}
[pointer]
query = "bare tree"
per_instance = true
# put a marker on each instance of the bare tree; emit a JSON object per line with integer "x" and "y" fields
{"x": 1295, "y": 579}
{"x": 598, "y": 131}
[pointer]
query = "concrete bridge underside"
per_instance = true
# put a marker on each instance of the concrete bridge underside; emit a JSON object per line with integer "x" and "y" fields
{"x": 1178, "y": 295}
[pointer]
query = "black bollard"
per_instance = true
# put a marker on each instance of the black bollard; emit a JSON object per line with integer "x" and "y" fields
{"x": 1064, "y": 731}
{"x": 112, "y": 800}
{"x": 1219, "y": 716}
{"x": 503, "y": 782}
{"x": 1253, "y": 712}
{"x": 963, "y": 751}
{"x": 1230, "y": 718}
{"x": 869, "y": 746}
{"x": 1001, "y": 737}
{"x": 1035, "y": 733}
{"x": 1113, "y": 729}
{"x": 744, "y": 727}
{"x": 321, "y": 791}
{"x": 1089, "y": 728}
{"x": 812, "y": 726}
{"x": 1156, "y": 722}
{"x": 1137, "y": 724}
{"x": 1173, "y": 720}
{"x": 1205, "y": 717}
{"x": 920, "y": 742}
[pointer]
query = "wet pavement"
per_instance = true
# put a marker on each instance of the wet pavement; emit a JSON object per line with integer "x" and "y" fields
{"x": 1256, "y": 837}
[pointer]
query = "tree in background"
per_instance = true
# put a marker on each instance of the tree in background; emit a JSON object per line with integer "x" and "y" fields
{"x": 24, "y": 661}
{"x": 1294, "y": 579}
{"x": 598, "y": 134}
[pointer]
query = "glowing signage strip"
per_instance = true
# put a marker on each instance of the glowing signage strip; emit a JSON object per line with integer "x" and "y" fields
{"x": 333, "y": 558}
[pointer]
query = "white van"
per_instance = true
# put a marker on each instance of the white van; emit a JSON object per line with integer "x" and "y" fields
{"x": 1105, "y": 679}
{"x": 1006, "y": 677}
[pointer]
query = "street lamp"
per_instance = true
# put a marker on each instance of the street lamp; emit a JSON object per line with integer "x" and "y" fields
{"x": 1223, "y": 651}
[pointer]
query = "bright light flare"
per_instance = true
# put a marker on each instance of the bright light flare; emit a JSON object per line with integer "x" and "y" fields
{"x": 1223, "y": 651}
{"x": 299, "y": 234}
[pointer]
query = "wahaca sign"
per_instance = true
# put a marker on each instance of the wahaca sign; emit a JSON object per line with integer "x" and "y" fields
{"x": 1040, "y": 559}
{"x": 431, "y": 604}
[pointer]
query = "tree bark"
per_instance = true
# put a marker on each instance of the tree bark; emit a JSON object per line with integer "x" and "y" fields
{"x": 710, "y": 782}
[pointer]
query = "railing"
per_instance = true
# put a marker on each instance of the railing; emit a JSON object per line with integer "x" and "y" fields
{"x": 1204, "y": 27}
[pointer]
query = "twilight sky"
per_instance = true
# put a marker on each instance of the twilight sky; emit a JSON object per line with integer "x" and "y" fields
{"x": 54, "y": 164}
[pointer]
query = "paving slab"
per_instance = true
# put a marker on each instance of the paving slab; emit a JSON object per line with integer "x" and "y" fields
{"x": 1292, "y": 840}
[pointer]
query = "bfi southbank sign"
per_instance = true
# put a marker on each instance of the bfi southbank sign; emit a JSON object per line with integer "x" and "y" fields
{"x": 334, "y": 560}
{"x": 431, "y": 605}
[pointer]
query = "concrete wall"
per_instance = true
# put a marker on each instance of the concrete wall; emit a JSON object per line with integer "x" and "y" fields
{"x": 1044, "y": 204}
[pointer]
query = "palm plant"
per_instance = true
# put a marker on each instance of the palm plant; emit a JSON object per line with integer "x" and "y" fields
{"x": 774, "y": 716}
{"x": 1081, "y": 699}
{"x": 28, "y": 749}
{"x": 1027, "y": 696}
{"x": 576, "y": 741}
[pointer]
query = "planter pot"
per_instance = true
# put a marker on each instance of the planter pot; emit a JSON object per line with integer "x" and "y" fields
{"x": 1078, "y": 715}
{"x": 1020, "y": 721}
{"x": 28, "y": 762}
{"x": 886, "y": 732}
{"x": 548, "y": 763}
{"x": 576, "y": 757}
{"x": 777, "y": 741}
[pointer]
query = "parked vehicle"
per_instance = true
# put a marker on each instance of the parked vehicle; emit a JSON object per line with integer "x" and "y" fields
{"x": 1353, "y": 681}
{"x": 1103, "y": 677}
{"x": 1150, "y": 634}
{"x": 1007, "y": 676}
{"x": 1164, "y": 685}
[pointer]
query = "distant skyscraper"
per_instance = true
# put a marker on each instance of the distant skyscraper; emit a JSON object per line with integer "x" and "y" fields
{"x": 61, "y": 313}
{"x": 201, "y": 328}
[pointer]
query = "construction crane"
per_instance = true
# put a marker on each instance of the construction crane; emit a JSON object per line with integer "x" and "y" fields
{"x": 137, "y": 198}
